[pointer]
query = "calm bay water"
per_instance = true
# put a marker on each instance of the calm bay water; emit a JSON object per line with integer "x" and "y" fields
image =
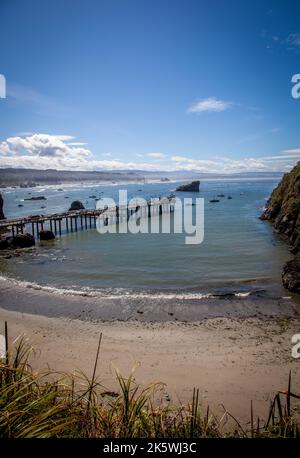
{"x": 239, "y": 253}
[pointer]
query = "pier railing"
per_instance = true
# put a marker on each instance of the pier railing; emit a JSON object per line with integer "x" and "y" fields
{"x": 75, "y": 220}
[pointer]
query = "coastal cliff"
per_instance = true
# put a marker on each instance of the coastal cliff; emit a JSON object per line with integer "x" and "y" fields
{"x": 283, "y": 210}
{"x": 1, "y": 207}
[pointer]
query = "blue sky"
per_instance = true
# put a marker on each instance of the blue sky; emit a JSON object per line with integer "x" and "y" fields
{"x": 160, "y": 84}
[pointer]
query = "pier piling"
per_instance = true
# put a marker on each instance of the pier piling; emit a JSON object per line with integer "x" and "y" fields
{"x": 88, "y": 218}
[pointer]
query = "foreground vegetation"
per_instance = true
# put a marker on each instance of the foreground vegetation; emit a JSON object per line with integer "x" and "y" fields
{"x": 49, "y": 404}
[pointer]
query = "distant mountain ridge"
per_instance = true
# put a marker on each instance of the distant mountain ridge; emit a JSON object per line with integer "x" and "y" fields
{"x": 33, "y": 177}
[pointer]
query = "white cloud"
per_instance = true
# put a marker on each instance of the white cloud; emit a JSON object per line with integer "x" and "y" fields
{"x": 290, "y": 156}
{"x": 76, "y": 144}
{"x": 293, "y": 41}
{"x": 219, "y": 164}
{"x": 290, "y": 42}
{"x": 210, "y": 104}
{"x": 157, "y": 155}
{"x": 229, "y": 165}
{"x": 43, "y": 145}
{"x": 296, "y": 150}
{"x": 43, "y": 151}
{"x": 181, "y": 159}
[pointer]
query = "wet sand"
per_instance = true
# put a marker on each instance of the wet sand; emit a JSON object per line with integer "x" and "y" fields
{"x": 161, "y": 306}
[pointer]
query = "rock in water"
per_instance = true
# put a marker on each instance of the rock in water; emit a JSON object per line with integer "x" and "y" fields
{"x": 36, "y": 198}
{"x": 291, "y": 275}
{"x": 4, "y": 244}
{"x": 1, "y": 208}
{"x": 76, "y": 205}
{"x": 283, "y": 210}
{"x": 46, "y": 235}
{"x": 23, "y": 241}
{"x": 190, "y": 187}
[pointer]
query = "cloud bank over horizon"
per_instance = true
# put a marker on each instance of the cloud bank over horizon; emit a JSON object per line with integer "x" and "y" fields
{"x": 64, "y": 152}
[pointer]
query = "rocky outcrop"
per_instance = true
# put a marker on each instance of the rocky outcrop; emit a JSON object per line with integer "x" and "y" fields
{"x": 76, "y": 205}
{"x": 1, "y": 207}
{"x": 291, "y": 275}
{"x": 23, "y": 241}
{"x": 4, "y": 245}
{"x": 46, "y": 235}
{"x": 283, "y": 210}
{"x": 36, "y": 198}
{"x": 190, "y": 187}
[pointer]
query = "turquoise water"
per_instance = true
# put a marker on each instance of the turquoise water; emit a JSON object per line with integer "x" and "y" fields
{"x": 239, "y": 251}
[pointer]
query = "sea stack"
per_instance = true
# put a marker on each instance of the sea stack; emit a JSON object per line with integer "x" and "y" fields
{"x": 1, "y": 207}
{"x": 190, "y": 187}
{"x": 76, "y": 205}
{"x": 283, "y": 210}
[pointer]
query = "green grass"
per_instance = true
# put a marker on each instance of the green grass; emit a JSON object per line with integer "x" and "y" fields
{"x": 51, "y": 404}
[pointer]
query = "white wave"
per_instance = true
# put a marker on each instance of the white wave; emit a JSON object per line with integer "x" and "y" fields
{"x": 118, "y": 292}
{"x": 38, "y": 287}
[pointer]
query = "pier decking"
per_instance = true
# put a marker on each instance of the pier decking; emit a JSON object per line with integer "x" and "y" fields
{"x": 75, "y": 220}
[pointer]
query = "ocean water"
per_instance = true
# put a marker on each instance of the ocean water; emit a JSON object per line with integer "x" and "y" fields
{"x": 240, "y": 253}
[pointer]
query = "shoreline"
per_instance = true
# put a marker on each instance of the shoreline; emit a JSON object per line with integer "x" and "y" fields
{"x": 161, "y": 307}
{"x": 234, "y": 350}
{"x": 231, "y": 360}
{"x": 139, "y": 181}
{"x": 234, "y": 346}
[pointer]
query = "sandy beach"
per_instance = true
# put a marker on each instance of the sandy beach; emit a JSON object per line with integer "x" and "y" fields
{"x": 231, "y": 360}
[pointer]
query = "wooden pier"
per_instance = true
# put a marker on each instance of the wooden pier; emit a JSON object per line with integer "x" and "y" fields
{"x": 79, "y": 220}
